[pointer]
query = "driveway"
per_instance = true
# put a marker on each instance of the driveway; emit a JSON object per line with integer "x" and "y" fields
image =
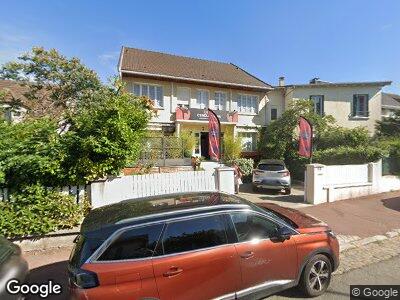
{"x": 294, "y": 200}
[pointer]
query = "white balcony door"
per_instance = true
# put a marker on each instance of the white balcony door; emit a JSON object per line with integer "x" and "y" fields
{"x": 183, "y": 95}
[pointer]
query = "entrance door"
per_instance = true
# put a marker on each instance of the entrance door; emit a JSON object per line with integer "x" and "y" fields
{"x": 204, "y": 145}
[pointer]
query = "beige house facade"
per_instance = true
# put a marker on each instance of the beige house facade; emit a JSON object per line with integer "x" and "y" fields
{"x": 183, "y": 87}
{"x": 352, "y": 104}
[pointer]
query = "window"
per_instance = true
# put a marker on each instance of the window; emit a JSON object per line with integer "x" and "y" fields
{"x": 250, "y": 226}
{"x": 274, "y": 113}
{"x": 271, "y": 167}
{"x": 318, "y": 101}
{"x": 8, "y": 115}
{"x": 247, "y": 103}
{"x": 202, "y": 99}
{"x": 183, "y": 97}
{"x": 220, "y": 100}
{"x": 194, "y": 234}
{"x": 154, "y": 92}
{"x": 360, "y": 106}
{"x": 136, "y": 243}
{"x": 249, "y": 140}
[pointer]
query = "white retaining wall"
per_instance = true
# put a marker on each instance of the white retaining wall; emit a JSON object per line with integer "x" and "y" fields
{"x": 137, "y": 186}
{"x": 332, "y": 183}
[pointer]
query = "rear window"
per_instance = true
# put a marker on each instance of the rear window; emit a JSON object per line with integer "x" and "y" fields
{"x": 194, "y": 234}
{"x": 271, "y": 167}
{"x": 133, "y": 244}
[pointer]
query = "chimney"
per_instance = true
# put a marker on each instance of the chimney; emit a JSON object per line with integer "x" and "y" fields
{"x": 281, "y": 81}
{"x": 314, "y": 80}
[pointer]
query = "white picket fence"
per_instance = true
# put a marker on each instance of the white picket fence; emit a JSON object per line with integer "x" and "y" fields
{"x": 137, "y": 186}
{"x": 77, "y": 191}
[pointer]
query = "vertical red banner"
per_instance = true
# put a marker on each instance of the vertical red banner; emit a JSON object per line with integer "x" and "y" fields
{"x": 305, "y": 138}
{"x": 214, "y": 136}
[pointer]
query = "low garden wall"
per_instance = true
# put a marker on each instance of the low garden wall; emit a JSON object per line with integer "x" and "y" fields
{"x": 331, "y": 183}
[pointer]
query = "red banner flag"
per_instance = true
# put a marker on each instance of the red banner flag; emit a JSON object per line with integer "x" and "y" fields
{"x": 214, "y": 134}
{"x": 305, "y": 137}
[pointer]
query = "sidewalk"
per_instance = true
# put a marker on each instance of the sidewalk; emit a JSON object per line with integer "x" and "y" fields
{"x": 360, "y": 217}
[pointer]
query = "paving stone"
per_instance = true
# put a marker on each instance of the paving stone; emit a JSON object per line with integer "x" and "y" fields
{"x": 371, "y": 252}
{"x": 392, "y": 234}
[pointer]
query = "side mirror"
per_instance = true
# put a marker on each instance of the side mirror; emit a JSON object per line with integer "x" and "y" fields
{"x": 282, "y": 234}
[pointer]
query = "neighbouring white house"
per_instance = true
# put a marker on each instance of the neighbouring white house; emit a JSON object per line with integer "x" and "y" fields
{"x": 352, "y": 104}
{"x": 390, "y": 104}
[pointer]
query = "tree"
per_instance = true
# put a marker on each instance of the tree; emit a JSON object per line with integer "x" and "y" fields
{"x": 55, "y": 84}
{"x": 389, "y": 126}
{"x": 103, "y": 139}
{"x": 279, "y": 137}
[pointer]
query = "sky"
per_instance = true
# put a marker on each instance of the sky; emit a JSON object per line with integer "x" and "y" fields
{"x": 337, "y": 41}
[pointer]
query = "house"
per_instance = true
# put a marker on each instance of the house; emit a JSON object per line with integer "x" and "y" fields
{"x": 352, "y": 104}
{"x": 183, "y": 87}
{"x": 390, "y": 104}
{"x": 13, "y": 101}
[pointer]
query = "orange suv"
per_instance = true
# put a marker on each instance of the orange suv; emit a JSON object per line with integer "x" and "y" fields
{"x": 199, "y": 246}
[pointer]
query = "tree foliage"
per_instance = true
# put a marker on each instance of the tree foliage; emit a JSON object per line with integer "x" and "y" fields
{"x": 389, "y": 126}
{"x": 102, "y": 140}
{"x": 55, "y": 84}
{"x": 87, "y": 130}
{"x": 279, "y": 138}
{"x": 339, "y": 136}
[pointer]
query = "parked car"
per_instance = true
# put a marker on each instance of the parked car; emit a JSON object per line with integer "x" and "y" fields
{"x": 199, "y": 246}
{"x": 272, "y": 174}
{"x": 12, "y": 266}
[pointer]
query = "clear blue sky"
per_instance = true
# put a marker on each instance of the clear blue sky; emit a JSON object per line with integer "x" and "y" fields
{"x": 334, "y": 40}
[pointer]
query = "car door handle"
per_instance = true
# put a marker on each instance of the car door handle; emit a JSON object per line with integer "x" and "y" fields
{"x": 247, "y": 254}
{"x": 173, "y": 271}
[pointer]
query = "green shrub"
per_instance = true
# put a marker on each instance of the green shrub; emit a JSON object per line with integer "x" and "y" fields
{"x": 35, "y": 210}
{"x": 340, "y": 136}
{"x": 188, "y": 143}
{"x": 232, "y": 147}
{"x": 348, "y": 155}
{"x": 245, "y": 164}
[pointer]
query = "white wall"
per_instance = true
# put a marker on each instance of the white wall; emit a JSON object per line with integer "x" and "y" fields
{"x": 332, "y": 183}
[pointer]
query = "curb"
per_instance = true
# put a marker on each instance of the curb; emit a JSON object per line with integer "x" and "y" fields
{"x": 357, "y": 242}
{"x": 58, "y": 239}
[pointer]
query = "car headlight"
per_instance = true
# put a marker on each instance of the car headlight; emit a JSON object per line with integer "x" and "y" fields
{"x": 331, "y": 234}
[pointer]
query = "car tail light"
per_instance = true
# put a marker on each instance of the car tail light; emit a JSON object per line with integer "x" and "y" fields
{"x": 285, "y": 173}
{"x": 84, "y": 279}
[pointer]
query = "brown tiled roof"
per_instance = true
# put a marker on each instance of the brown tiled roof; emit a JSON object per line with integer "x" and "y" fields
{"x": 168, "y": 66}
{"x": 391, "y": 100}
{"x": 14, "y": 93}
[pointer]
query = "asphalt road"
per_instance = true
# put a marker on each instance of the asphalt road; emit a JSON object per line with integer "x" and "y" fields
{"x": 384, "y": 272}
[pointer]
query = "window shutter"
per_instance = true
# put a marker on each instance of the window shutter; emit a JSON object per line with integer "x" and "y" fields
{"x": 367, "y": 105}
{"x": 323, "y": 106}
{"x": 354, "y": 106}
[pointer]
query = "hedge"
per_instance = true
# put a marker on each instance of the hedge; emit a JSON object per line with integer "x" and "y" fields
{"x": 35, "y": 211}
{"x": 348, "y": 155}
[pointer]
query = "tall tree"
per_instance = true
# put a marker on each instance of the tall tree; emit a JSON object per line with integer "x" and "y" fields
{"x": 55, "y": 85}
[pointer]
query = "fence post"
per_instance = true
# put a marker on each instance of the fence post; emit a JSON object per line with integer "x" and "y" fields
{"x": 163, "y": 150}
